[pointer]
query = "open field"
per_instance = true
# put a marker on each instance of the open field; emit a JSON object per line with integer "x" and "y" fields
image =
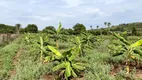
{"x": 22, "y": 59}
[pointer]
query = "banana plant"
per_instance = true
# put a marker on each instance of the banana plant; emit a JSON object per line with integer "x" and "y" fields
{"x": 129, "y": 50}
{"x": 67, "y": 64}
{"x": 27, "y": 37}
{"x": 38, "y": 44}
{"x": 42, "y": 48}
{"x": 124, "y": 34}
{"x": 83, "y": 44}
{"x": 57, "y": 35}
{"x": 88, "y": 39}
{"x": 78, "y": 44}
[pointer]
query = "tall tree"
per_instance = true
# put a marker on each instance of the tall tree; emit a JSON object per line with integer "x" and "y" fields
{"x": 31, "y": 28}
{"x": 97, "y": 27}
{"x": 49, "y": 30}
{"x": 79, "y": 28}
{"x": 7, "y": 28}
{"x": 108, "y": 24}
{"x": 18, "y": 26}
{"x": 105, "y": 23}
{"x": 91, "y": 27}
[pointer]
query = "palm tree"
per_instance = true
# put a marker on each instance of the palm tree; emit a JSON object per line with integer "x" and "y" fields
{"x": 105, "y": 23}
{"x": 18, "y": 28}
{"x": 91, "y": 27}
{"x": 108, "y": 24}
{"x": 97, "y": 27}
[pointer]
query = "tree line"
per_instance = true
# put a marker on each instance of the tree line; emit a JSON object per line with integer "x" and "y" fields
{"x": 131, "y": 28}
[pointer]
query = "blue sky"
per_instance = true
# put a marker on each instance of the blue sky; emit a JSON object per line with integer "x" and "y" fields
{"x": 69, "y": 12}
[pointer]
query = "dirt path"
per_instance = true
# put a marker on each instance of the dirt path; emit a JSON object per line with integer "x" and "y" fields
{"x": 15, "y": 62}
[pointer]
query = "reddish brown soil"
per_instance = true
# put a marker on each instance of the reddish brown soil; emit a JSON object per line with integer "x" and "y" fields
{"x": 15, "y": 61}
{"x": 78, "y": 78}
{"x": 51, "y": 77}
{"x": 47, "y": 77}
{"x": 117, "y": 68}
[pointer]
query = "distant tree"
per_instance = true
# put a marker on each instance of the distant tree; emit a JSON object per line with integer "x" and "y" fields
{"x": 79, "y": 28}
{"x": 22, "y": 30}
{"x": 91, "y": 27}
{"x": 64, "y": 31}
{"x": 49, "y": 30}
{"x": 97, "y": 27}
{"x": 18, "y": 26}
{"x": 92, "y": 31}
{"x": 134, "y": 31}
{"x": 6, "y": 28}
{"x": 108, "y": 24}
{"x": 70, "y": 31}
{"x": 31, "y": 28}
{"x": 97, "y": 32}
{"x": 104, "y": 31}
{"x": 105, "y": 23}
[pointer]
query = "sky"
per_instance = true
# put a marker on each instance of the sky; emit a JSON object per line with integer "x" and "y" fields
{"x": 69, "y": 12}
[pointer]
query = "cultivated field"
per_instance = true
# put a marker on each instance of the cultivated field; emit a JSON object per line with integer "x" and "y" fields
{"x": 82, "y": 57}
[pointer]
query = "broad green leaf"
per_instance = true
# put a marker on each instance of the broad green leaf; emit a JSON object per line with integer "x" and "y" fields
{"x": 78, "y": 67}
{"x": 81, "y": 64}
{"x": 137, "y": 51}
{"x": 68, "y": 52}
{"x": 74, "y": 54}
{"x": 58, "y": 67}
{"x": 27, "y": 39}
{"x": 41, "y": 41}
{"x": 121, "y": 39}
{"x": 68, "y": 69}
{"x": 78, "y": 40}
{"x": 48, "y": 58}
{"x": 61, "y": 73}
{"x": 117, "y": 54}
{"x": 57, "y": 53}
{"x": 138, "y": 43}
{"x": 73, "y": 73}
{"x": 133, "y": 57}
{"x": 59, "y": 28}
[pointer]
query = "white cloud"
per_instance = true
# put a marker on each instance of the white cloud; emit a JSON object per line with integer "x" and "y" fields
{"x": 92, "y": 10}
{"x": 32, "y": 1}
{"x": 72, "y": 3}
{"x": 109, "y": 2}
{"x": 3, "y": 4}
{"x": 44, "y": 12}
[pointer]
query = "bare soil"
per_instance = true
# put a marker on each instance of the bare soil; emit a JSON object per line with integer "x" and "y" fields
{"x": 15, "y": 62}
{"x": 117, "y": 68}
{"x": 47, "y": 77}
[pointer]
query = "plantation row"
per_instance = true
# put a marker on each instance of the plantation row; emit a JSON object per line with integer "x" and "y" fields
{"x": 61, "y": 57}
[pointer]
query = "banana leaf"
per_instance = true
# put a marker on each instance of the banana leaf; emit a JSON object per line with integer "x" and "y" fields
{"x": 121, "y": 39}
{"x": 74, "y": 54}
{"x": 68, "y": 69}
{"x": 118, "y": 54}
{"x": 137, "y": 51}
{"x": 73, "y": 73}
{"x": 78, "y": 67}
{"x": 59, "y": 28}
{"x": 59, "y": 66}
{"x": 138, "y": 43}
{"x": 57, "y": 53}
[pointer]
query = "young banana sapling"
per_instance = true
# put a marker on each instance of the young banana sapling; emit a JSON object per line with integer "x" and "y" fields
{"x": 124, "y": 47}
{"x": 67, "y": 64}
